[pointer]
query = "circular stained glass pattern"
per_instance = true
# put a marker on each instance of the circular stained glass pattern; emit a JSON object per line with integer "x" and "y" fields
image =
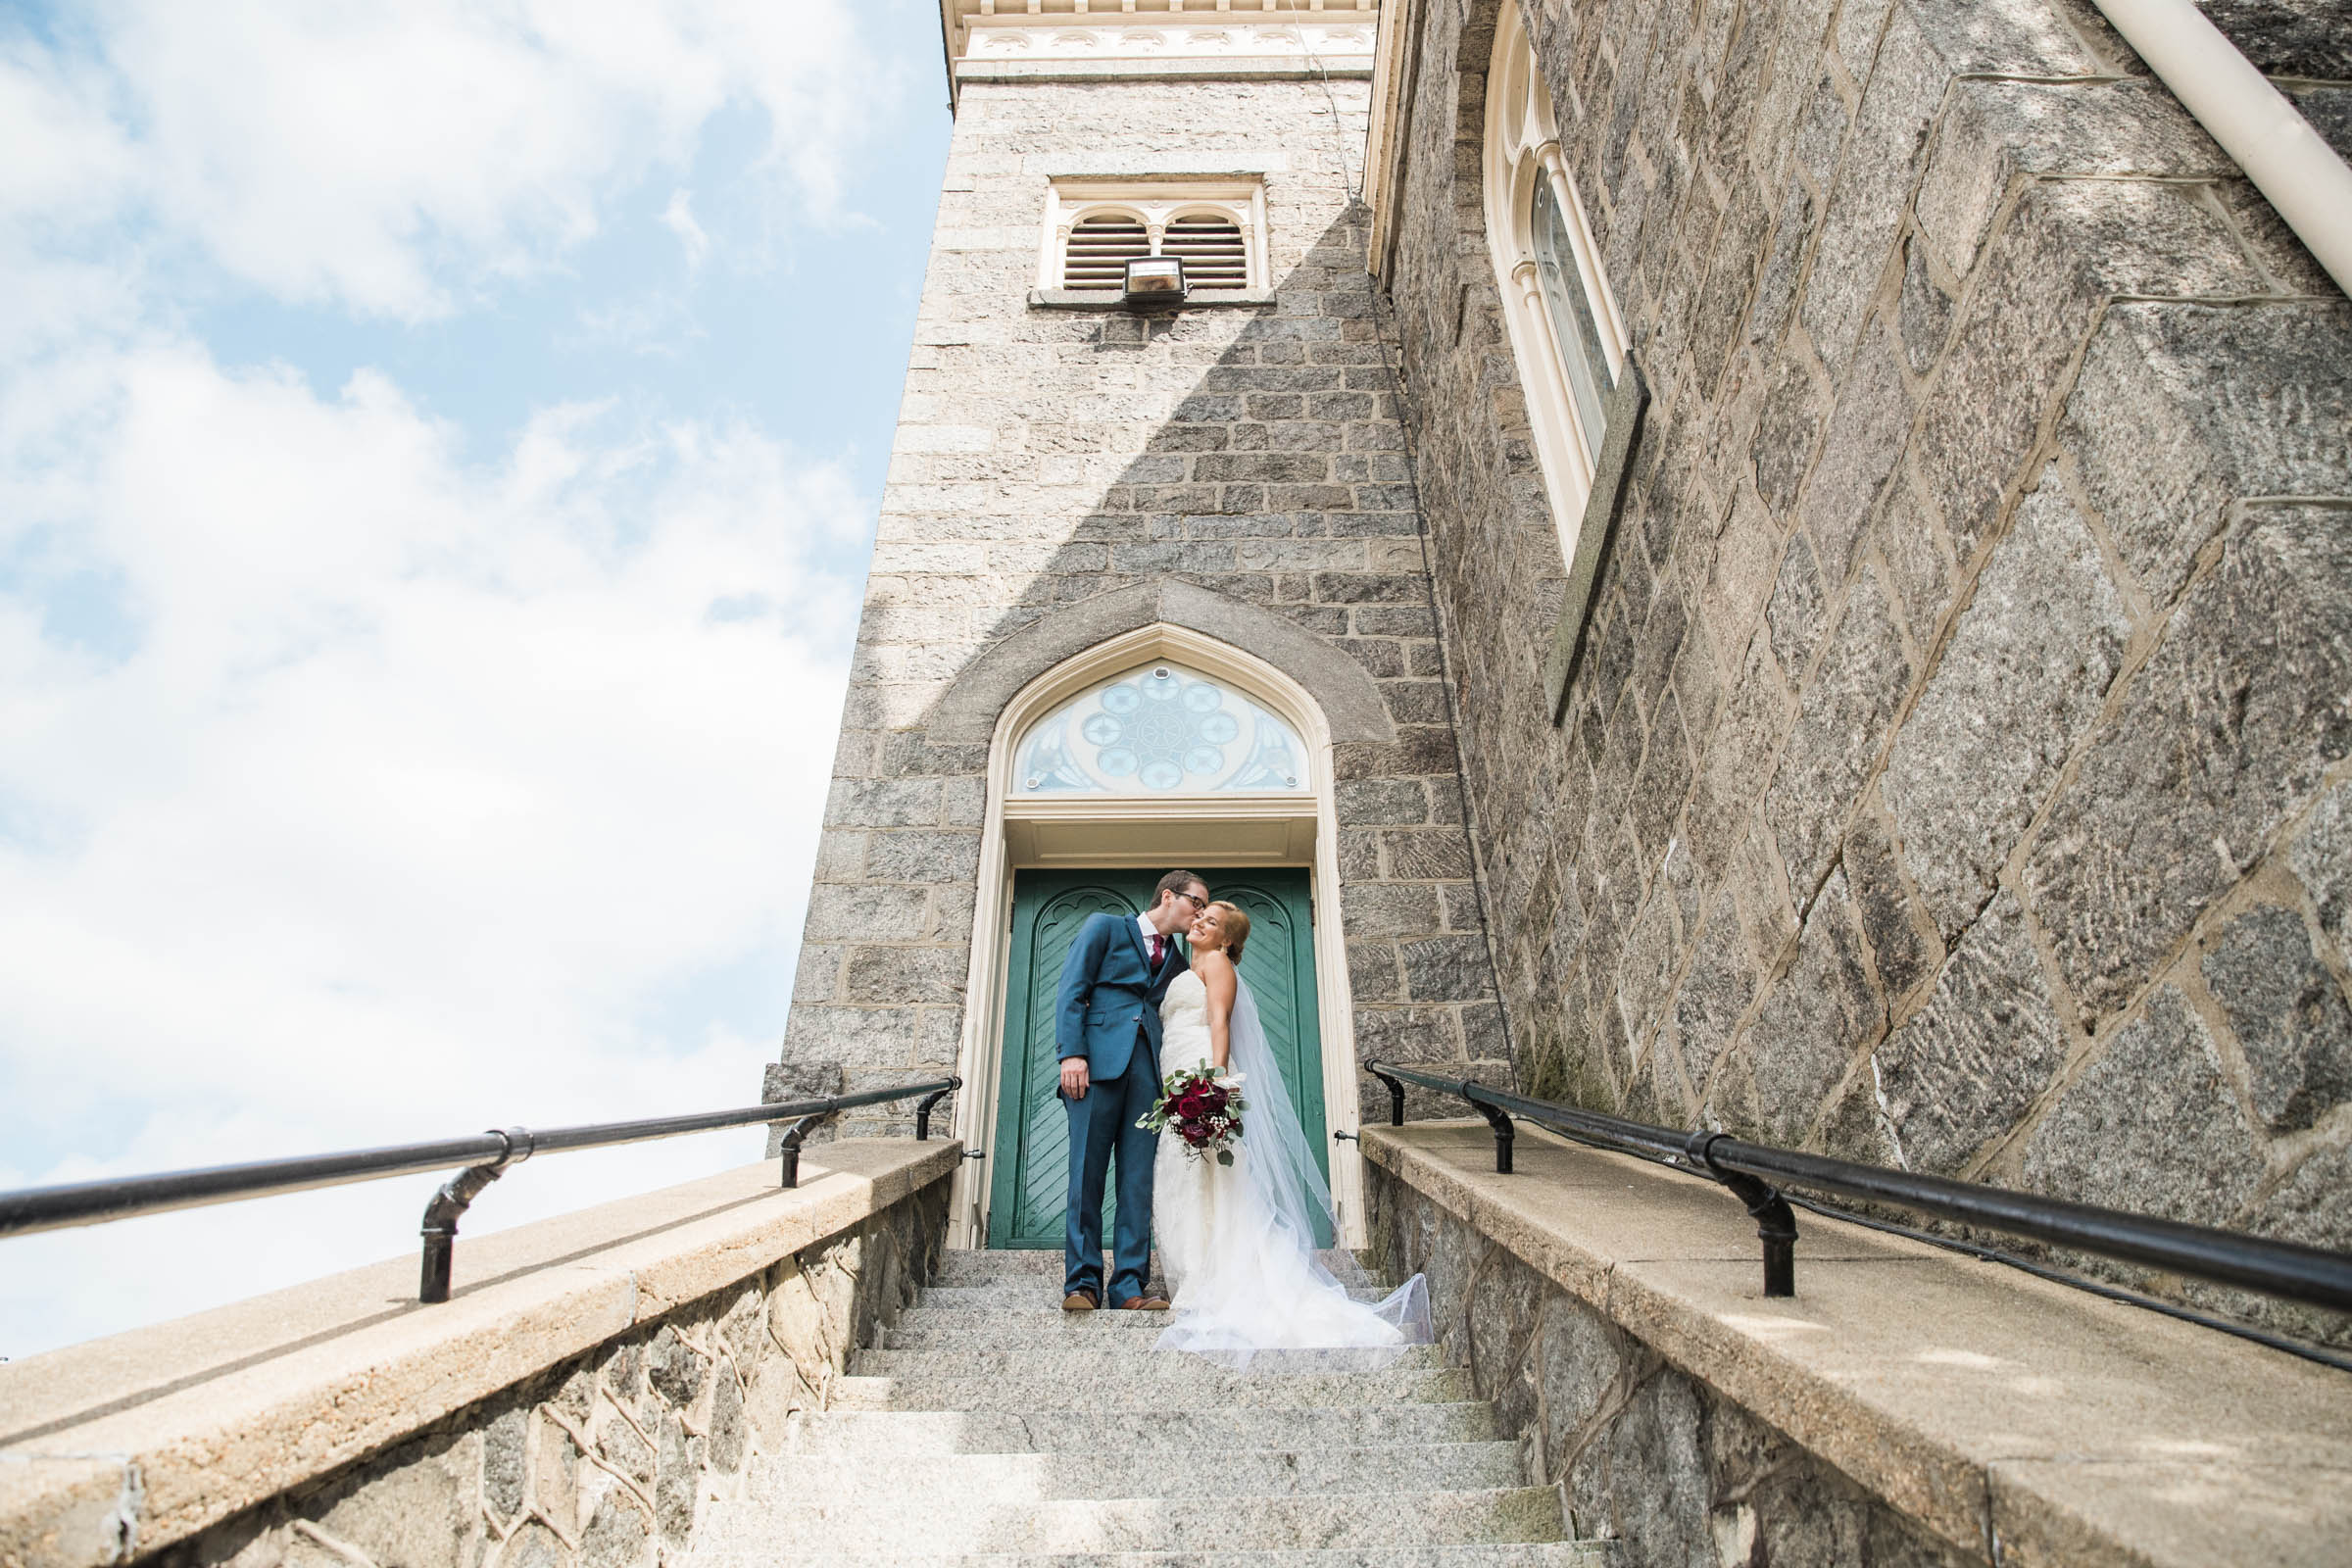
{"x": 1161, "y": 730}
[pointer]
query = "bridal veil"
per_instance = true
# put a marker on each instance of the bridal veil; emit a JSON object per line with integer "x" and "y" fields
{"x": 1252, "y": 1280}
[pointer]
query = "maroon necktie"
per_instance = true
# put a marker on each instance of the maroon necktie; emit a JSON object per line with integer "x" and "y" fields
{"x": 1159, "y": 946}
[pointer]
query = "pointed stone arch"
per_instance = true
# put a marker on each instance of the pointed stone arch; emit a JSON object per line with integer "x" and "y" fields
{"x": 1350, "y": 704}
{"x": 1304, "y": 679}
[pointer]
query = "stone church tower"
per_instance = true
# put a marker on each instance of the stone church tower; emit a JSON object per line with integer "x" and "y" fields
{"x": 1782, "y": 564}
{"x": 1082, "y": 495}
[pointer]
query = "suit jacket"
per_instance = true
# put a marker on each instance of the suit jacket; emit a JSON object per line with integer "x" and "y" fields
{"x": 1110, "y": 996}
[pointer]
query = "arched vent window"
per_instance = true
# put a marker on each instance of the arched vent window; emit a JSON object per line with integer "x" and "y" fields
{"x": 1094, "y": 228}
{"x": 1159, "y": 730}
{"x": 1100, "y": 248}
{"x": 1215, "y": 256}
{"x": 1564, "y": 332}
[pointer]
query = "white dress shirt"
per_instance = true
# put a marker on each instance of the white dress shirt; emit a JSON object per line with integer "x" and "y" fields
{"x": 1150, "y": 931}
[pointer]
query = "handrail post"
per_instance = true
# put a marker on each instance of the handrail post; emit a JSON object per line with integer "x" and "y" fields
{"x": 1775, "y": 1223}
{"x": 448, "y": 1205}
{"x": 1497, "y": 1118}
{"x": 1396, "y": 1094}
{"x": 789, "y": 1154}
{"x": 922, "y": 1112}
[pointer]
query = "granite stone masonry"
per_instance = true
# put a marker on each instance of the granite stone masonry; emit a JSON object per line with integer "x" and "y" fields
{"x": 1955, "y": 776}
{"x": 1956, "y": 764}
{"x": 1058, "y": 474}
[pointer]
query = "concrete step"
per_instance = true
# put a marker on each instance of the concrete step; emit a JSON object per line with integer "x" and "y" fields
{"x": 977, "y": 1266}
{"x": 980, "y": 1267}
{"x": 1005, "y": 1478}
{"x": 896, "y": 1519}
{"x": 1110, "y": 1366}
{"x": 1047, "y": 1328}
{"x": 1527, "y": 1554}
{"x": 1030, "y": 1321}
{"x": 1031, "y": 1296}
{"x": 1046, "y": 1395}
{"x": 911, "y": 1434}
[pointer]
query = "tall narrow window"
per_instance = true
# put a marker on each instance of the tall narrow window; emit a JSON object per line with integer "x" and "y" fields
{"x": 1565, "y": 336}
{"x": 1571, "y": 309}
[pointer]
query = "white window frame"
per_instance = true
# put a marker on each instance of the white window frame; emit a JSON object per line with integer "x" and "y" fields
{"x": 1522, "y": 148}
{"x": 1156, "y": 203}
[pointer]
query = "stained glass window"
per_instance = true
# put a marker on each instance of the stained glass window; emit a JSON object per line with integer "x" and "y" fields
{"x": 1159, "y": 730}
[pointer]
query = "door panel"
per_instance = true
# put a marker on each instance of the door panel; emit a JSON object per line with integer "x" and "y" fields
{"x": 1031, "y": 1180}
{"x": 1030, "y": 1186}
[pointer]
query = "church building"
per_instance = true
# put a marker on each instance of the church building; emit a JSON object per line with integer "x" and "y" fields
{"x": 1783, "y": 565}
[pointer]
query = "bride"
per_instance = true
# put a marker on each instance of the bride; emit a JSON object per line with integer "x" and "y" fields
{"x": 1238, "y": 1242}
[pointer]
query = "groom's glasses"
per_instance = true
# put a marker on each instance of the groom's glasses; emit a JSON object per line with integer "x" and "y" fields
{"x": 1198, "y": 903}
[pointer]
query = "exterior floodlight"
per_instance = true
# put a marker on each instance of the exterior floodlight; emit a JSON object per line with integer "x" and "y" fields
{"x": 1156, "y": 280}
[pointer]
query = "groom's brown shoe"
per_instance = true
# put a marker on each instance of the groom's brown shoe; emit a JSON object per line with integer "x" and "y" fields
{"x": 1142, "y": 1303}
{"x": 1078, "y": 1302}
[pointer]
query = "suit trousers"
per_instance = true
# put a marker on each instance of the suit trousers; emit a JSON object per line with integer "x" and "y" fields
{"x": 1103, "y": 1126}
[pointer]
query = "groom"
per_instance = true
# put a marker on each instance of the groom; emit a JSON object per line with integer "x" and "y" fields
{"x": 1106, "y": 1033}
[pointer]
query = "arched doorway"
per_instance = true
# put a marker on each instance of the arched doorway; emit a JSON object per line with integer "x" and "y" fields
{"x": 1158, "y": 748}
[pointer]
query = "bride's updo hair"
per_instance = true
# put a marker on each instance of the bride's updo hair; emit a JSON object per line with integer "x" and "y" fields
{"x": 1236, "y": 927}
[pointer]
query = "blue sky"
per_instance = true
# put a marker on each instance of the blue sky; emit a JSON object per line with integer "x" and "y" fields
{"x": 439, "y": 446}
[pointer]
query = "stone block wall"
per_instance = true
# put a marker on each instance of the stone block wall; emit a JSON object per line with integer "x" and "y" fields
{"x": 607, "y": 1461}
{"x": 1957, "y": 775}
{"x": 1051, "y": 466}
{"x": 1641, "y": 1452}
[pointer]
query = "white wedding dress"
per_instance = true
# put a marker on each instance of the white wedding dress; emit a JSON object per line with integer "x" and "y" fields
{"x": 1237, "y": 1243}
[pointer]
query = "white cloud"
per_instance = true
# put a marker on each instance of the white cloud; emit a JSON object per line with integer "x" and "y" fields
{"x": 354, "y": 786}
{"x": 68, "y": 156}
{"x": 679, "y": 218}
{"x": 390, "y": 157}
{"x": 423, "y": 782}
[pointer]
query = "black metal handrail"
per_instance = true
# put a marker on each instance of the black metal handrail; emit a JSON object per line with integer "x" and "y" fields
{"x": 485, "y": 1157}
{"x": 1756, "y": 1172}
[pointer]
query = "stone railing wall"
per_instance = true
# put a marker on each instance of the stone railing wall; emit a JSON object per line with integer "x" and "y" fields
{"x": 615, "y": 1370}
{"x": 1906, "y": 1408}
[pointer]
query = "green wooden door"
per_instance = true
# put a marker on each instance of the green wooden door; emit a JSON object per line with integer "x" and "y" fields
{"x": 1030, "y": 1184}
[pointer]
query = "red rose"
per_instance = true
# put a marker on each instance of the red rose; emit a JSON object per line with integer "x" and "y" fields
{"x": 1189, "y": 1105}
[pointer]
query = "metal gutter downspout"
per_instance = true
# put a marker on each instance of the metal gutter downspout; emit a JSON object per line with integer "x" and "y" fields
{"x": 2282, "y": 154}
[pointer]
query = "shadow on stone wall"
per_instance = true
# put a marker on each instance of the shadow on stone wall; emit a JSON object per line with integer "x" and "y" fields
{"x": 1243, "y": 468}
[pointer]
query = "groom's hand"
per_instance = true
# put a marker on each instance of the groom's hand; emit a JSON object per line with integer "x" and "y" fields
{"x": 1074, "y": 1078}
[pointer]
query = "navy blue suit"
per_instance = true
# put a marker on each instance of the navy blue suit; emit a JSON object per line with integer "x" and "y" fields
{"x": 1108, "y": 1012}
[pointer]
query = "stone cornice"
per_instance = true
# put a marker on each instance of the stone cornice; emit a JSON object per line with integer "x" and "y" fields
{"x": 1118, "y": 39}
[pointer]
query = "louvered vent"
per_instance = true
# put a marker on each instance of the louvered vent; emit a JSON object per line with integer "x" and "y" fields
{"x": 1214, "y": 256}
{"x": 1100, "y": 250}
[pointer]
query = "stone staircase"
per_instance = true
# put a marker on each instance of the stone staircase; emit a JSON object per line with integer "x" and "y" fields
{"x": 992, "y": 1430}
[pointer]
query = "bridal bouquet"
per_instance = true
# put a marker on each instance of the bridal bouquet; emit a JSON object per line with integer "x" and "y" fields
{"x": 1203, "y": 1107}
